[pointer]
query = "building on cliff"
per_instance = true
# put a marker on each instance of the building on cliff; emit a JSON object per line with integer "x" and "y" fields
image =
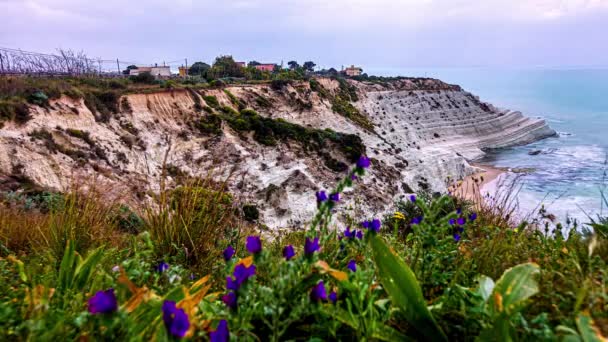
{"x": 352, "y": 71}
{"x": 156, "y": 71}
{"x": 266, "y": 67}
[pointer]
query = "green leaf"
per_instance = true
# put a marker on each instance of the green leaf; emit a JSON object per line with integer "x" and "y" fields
{"x": 385, "y": 333}
{"x": 66, "y": 267}
{"x": 403, "y": 288}
{"x": 84, "y": 269}
{"x": 515, "y": 286}
{"x": 486, "y": 286}
{"x": 588, "y": 332}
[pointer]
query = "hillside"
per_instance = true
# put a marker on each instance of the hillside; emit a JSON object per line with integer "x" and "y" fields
{"x": 418, "y": 133}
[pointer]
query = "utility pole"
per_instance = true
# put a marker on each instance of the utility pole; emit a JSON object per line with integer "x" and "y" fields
{"x": 186, "y": 66}
{"x": 118, "y": 65}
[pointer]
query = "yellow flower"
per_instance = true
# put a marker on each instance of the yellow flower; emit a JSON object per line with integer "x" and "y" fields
{"x": 399, "y": 216}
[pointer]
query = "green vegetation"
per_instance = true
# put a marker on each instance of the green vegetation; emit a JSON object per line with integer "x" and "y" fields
{"x": 441, "y": 269}
{"x": 212, "y": 101}
{"x": 341, "y": 102}
{"x": 270, "y": 132}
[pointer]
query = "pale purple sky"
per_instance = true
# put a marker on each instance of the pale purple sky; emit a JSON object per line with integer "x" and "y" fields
{"x": 372, "y": 33}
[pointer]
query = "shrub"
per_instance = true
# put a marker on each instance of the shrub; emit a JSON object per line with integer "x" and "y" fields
{"x": 234, "y": 100}
{"x": 209, "y": 124}
{"x": 279, "y": 84}
{"x": 195, "y": 217}
{"x": 251, "y": 212}
{"x": 144, "y": 77}
{"x": 212, "y": 101}
{"x": 14, "y": 110}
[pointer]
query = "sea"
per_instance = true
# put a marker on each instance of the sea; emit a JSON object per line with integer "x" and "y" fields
{"x": 568, "y": 175}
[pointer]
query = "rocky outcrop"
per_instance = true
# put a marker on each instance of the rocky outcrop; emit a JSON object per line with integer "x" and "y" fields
{"x": 423, "y": 131}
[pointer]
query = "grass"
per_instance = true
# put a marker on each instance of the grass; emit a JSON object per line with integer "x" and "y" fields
{"x": 67, "y": 256}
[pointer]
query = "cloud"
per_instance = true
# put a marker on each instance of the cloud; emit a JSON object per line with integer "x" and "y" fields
{"x": 332, "y": 32}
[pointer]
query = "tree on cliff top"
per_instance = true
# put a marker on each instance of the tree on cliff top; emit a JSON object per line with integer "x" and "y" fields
{"x": 199, "y": 68}
{"x": 309, "y": 66}
{"x": 224, "y": 66}
{"x": 293, "y": 65}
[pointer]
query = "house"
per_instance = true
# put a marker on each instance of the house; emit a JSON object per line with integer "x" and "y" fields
{"x": 241, "y": 64}
{"x": 353, "y": 71}
{"x": 183, "y": 71}
{"x": 266, "y": 67}
{"x": 156, "y": 71}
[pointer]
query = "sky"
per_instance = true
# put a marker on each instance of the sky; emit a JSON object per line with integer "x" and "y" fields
{"x": 375, "y": 34}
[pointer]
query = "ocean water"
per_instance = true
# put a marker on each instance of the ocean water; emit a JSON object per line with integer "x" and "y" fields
{"x": 570, "y": 170}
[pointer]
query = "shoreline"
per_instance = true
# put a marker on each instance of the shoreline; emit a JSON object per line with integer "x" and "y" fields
{"x": 475, "y": 186}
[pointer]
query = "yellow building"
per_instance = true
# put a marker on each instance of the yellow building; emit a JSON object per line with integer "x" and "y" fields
{"x": 183, "y": 71}
{"x": 353, "y": 71}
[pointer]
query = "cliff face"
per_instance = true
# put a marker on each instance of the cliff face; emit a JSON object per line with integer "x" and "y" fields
{"x": 417, "y": 132}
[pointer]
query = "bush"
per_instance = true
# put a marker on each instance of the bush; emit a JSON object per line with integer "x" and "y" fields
{"x": 212, "y": 101}
{"x": 196, "y": 216}
{"x": 251, "y": 212}
{"x": 144, "y": 77}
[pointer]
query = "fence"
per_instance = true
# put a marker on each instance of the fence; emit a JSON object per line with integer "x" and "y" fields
{"x": 64, "y": 63}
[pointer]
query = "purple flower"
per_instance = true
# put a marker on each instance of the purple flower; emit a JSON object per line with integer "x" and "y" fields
{"x": 461, "y": 221}
{"x": 359, "y": 234}
{"x": 230, "y": 300}
{"x": 162, "y": 267}
{"x": 375, "y": 225}
{"x": 365, "y": 224}
{"x": 459, "y": 211}
{"x": 456, "y": 237}
{"x": 333, "y": 297}
{"x": 176, "y": 320}
{"x": 452, "y": 222}
{"x": 473, "y": 217}
{"x": 413, "y": 198}
{"x": 221, "y": 333}
{"x": 192, "y": 276}
{"x": 335, "y": 197}
{"x": 348, "y": 233}
{"x": 417, "y": 220}
{"x": 103, "y": 302}
{"x": 353, "y": 177}
{"x": 228, "y": 253}
{"x": 311, "y": 246}
{"x": 363, "y": 162}
{"x": 352, "y": 265}
{"x": 321, "y": 196}
{"x": 460, "y": 229}
{"x": 240, "y": 275}
{"x": 288, "y": 252}
{"x": 318, "y": 292}
{"x": 254, "y": 244}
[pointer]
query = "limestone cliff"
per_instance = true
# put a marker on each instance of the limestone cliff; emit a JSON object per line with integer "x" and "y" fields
{"x": 418, "y": 133}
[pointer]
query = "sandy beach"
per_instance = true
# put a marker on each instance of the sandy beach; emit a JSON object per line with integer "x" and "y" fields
{"x": 475, "y": 186}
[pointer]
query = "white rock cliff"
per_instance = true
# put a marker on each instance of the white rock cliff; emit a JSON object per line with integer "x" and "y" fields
{"x": 424, "y": 132}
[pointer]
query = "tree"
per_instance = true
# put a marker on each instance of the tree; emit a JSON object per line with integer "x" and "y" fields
{"x": 198, "y": 68}
{"x": 293, "y": 65}
{"x": 128, "y": 69}
{"x": 309, "y": 66}
{"x": 253, "y": 63}
{"x": 225, "y": 66}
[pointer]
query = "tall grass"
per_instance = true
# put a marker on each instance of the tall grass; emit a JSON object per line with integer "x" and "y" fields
{"x": 88, "y": 216}
{"x": 192, "y": 220}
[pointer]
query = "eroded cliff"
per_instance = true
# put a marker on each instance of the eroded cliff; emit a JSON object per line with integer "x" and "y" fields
{"x": 418, "y": 133}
